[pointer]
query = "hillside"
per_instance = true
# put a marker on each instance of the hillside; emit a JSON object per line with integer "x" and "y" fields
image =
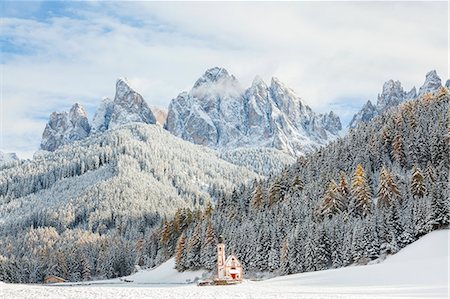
{"x": 418, "y": 270}
{"x": 102, "y": 195}
{"x": 358, "y": 199}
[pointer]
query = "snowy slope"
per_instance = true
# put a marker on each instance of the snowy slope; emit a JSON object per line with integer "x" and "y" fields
{"x": 421, "y": 266}
{"x": 165, "y": 274}
{"x": 419, "y": 270}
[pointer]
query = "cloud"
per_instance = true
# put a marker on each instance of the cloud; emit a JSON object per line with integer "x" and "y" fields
{"x": 334, "y": 55}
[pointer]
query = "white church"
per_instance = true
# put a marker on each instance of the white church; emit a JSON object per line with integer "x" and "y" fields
{"x": 229, "y": 270}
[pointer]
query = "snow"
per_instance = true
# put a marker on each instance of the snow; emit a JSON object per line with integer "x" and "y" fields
{"x": 419, "y": 270}
{"x": 165, "y": 274}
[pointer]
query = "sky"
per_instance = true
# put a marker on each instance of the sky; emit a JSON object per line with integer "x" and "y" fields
{"x": 334, "y": 55}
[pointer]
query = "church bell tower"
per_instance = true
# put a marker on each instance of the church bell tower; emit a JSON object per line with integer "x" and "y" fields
{"x": 220, "y": 258}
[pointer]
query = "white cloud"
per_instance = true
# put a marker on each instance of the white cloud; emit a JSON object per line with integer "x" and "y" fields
{"x": 334, "y": 55}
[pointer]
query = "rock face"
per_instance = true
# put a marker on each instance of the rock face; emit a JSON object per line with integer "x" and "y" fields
{"x": 128, "y": 106}
{"x": 65, "y": 127}
{"x": 160, "y": 114}
{"x": 393, "y": 95}
{"x": 431, "y": 84}
{"x": 219, "y": 113}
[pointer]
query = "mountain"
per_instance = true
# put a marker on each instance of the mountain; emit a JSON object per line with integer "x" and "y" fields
{"x": 65, "y": 127}
{"x": 353, "y": 202}
{"x": 106, "y": 191}
{"x": 392, "y": 95}
{"x": 219, "y": 113}
{"x": 128, "y": 106}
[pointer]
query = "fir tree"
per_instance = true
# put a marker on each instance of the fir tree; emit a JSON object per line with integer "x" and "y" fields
{"x": 179, "y": 253}
{"x": 417, "y": 183}
{"x": 361, "y": 193}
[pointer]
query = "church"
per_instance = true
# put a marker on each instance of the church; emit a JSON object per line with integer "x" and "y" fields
{"x": 229, "y": 269}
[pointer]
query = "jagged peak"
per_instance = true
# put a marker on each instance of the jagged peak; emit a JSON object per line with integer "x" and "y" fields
{"x": 213, "y": 75}
{"x": 122, "y": 83}
{"x": 412, "y": 93}
{"x": 432, "y": 74}
{"x": 77, "y": 109}
{"x": 431, "y": 84}
{"x": 258, "y": 81}
{"x": 392, "y": 85}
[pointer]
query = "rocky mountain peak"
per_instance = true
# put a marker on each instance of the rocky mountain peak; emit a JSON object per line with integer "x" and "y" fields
{"x": 214, "y": 75}
{"x": 392, "y": 95}
{"x": 128, "y": 106}
{"x": 65, "y": 127}
{"x": 431, "y": 84}
{"x": 221, "y": 115}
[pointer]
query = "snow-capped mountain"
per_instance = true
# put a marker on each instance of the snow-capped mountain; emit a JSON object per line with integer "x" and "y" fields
{"x": 128, "y": 106}
{"x": 392, "y": 95}
{"x": 65, "y": 127}
{"x": 431, "y": 84}
{"x": 219, "y": 113}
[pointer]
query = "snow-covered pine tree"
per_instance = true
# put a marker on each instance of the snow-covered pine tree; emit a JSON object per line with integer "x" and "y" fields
{"x": 360, "y": 191}
{"x": 180, "y": 253}
{"x": 417, "y": 183}
{"x": 387, "y": 190}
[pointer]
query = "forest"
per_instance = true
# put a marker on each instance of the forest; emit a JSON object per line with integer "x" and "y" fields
{"x": 362, "y": 197}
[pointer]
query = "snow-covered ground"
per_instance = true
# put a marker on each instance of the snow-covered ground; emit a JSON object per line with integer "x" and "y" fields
{"x": 419, "y": 270}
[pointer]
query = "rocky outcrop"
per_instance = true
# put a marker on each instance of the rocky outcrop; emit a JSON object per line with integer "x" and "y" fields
{"x": 65, "y": 127}
{"x": 128, "y": 106}
{"x": 392, "y": 95}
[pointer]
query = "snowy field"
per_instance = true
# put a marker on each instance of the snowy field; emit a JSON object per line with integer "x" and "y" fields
{"x": 419, "y": 270}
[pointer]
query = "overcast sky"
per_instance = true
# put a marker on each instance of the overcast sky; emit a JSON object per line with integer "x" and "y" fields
{"x": 335, "y": 55}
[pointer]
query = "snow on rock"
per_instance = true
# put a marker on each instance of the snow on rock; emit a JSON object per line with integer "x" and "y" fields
{"x": 128, "y": 106}
{"x": 431, "y": 84}
{"x": 393, "y": 95}
{"x": 63, "y": 128}
{"x": 218, "y": 113}
{"x": 102, "y": 116}
{"x": 165, "y": 274}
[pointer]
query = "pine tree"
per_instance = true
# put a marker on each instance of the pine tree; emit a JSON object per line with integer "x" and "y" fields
{"x": 85, "y": 268}
{"x": 397, "y": 150}
{"x": 257, "y": 198}
{"x": 440, "y": 210}
{"x": 179, "y": 253}
{"x": 284, "y": 257}
{"x": 361, "y": 195}
{"x": 417, "y": 183}
{"x": 298, "y": 183}
{"x": 343, "y": 191}
{"x": 208, "y": 250}
{"x": 332, "y": 203}
{"x": 275, "y": 192}
{"x": 193, "y": 249}
{"x": 387, "y": 190}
